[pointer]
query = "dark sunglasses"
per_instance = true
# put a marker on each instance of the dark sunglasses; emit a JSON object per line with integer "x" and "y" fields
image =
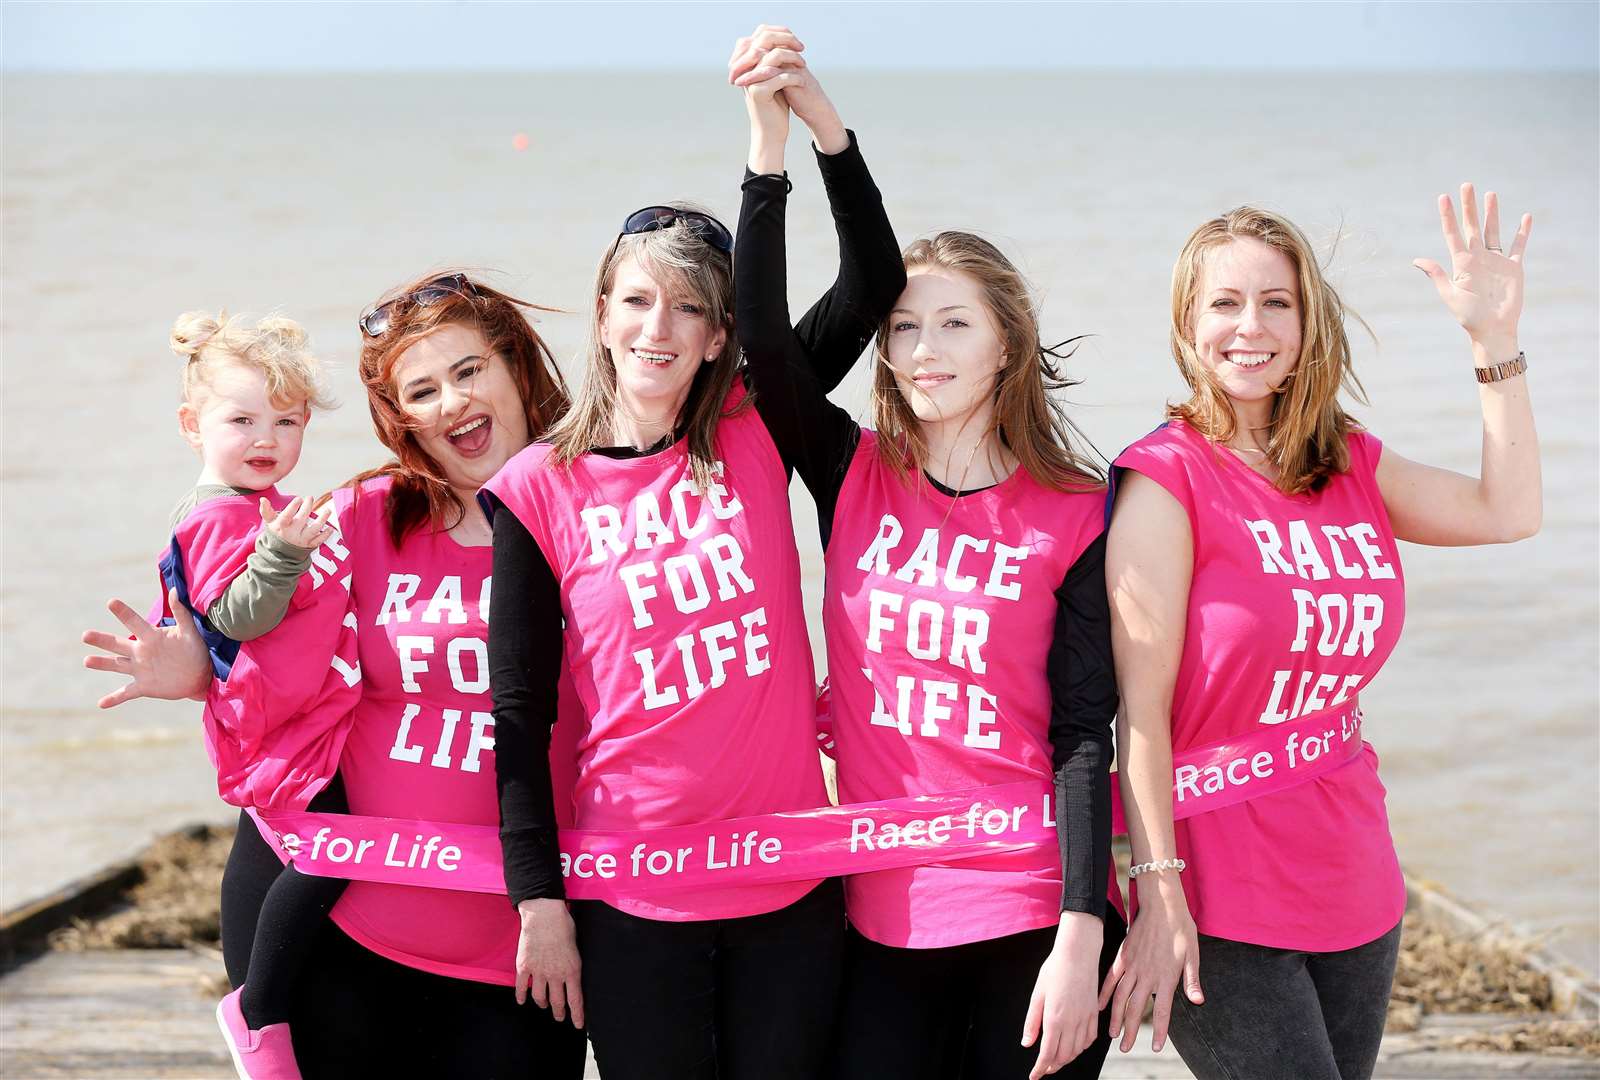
{"x": 704, "y": 226}
{"x": 375, "y": 323}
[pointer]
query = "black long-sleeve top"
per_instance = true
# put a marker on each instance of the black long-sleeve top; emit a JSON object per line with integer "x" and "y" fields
{"x": 784, "y": 373}
{"x": 525, "y": 636}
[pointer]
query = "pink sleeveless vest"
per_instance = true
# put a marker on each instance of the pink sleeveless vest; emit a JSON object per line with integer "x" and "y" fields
{"x": 686, "y": 639}
{"x": 1295, "y": 604}
{"x": 278, "y": 712}
{"x": 422, "y": 742}
{"x": 939, "y": 615}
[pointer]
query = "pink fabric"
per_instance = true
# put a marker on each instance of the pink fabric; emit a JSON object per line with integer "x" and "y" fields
{"x": 422, "y": 741}
{"x": 939, "y": 615}
{"x": 1271, "y": 758}
{"x": 800, "y": 845}
{"x": 1296, "y": 602}
{"x": 276, "y": 726}
{"x": 686, "y": 639}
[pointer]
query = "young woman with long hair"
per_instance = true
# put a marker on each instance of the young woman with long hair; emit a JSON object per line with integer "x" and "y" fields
{"x": 1256, "y": 590}
{"x": 646, "y": 544}
{"x": 968, "y": 637}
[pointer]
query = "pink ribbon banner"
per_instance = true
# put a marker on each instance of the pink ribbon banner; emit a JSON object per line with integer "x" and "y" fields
{"x": 1267, "y": 760}
{"x": 825, "y": 842}
{"x": 828, "y": 841}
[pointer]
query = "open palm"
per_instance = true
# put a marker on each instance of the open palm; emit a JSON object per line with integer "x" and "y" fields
{"x": 1483, "y": 287}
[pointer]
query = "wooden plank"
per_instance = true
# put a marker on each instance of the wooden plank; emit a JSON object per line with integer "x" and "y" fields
{"x": 23, "y": 929}
{"x": 113, "y": 1014}
{"x": 149, "y": 1014}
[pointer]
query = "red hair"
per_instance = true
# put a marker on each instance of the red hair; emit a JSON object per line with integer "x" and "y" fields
{"x": 419, "y": 494}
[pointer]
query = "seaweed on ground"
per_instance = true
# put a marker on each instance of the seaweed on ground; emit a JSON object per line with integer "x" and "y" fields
{"x": 1567, "y": 1038}
{"x": 174, "y": 905}
{"x": 1442, "y": 972}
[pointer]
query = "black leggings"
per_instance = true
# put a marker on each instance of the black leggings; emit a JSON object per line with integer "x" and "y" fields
{"x": 1278, "y": 1012}
{"x": 724, "y": 999}
{"x": 292, "y": 908}
{"x": 955, "y": 1012}
{"x": 354, "y": 1013}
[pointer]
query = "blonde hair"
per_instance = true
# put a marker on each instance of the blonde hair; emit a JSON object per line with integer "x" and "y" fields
{"x": 1308, "y": 429}
{"x": 1028, "y": 421}
{"x": 275, "y": 346}
{"x": 682, "y": 264}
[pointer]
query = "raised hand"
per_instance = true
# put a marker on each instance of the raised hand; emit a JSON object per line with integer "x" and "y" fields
{"x": 767, "y": 63}
{"x": 1483, "y": 287}
{"x": 297, "y": 524}
{"x": 749, "y": 53}
{"x": 763, "y": 99}
{"x": 168, "y": 662}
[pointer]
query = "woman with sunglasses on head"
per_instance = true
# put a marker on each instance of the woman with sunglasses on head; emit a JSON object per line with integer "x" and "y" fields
{"x": 968, "y": 637}
{"x": 1256, "y": 590}
{"x": 414, "y": 981}
{"x": 654, "y": 519}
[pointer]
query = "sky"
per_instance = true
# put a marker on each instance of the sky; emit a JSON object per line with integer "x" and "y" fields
{"x": 459, "y": 35}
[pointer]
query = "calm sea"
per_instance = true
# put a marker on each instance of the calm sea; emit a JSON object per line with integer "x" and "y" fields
{"x": 130, "y": 199}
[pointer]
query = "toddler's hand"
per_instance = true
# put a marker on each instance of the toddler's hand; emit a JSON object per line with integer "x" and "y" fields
{"x": 297, "y": 524}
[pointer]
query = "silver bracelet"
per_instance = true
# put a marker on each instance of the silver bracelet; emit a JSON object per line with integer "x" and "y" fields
{"x": 1162, "y": 864}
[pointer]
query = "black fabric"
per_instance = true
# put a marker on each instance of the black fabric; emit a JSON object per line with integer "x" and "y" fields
{"x": 791, "y": 375}
{"x": 291, "y": 911}
{"x": 525, "y": 651}
{"x": 355, "y": 1013}
{"x": 1281, "y": 1012}
{"x": 1083, "y": 707}
{"x": 817, "y": 439}
{"x": 248, "y": 876}
{"x": 525, "y": 645}
{"x": 954, "y": 1013}
{"x": 720, "y": 999}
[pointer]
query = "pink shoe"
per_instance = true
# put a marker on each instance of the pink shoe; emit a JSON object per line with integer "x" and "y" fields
{"x": 267, "y": 1054}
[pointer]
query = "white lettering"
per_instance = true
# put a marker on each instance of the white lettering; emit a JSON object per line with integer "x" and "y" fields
{"x": 406, "y": 646}
{"x": 402, "y": 587}
{"x": 1270, "y": 546}
{"x": 605, "y": 531}
{"x": 954, "y": 580}
{"x": 875, "y": 560}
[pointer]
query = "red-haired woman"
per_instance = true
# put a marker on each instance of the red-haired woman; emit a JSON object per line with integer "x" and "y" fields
{"x": 413, "y": 981}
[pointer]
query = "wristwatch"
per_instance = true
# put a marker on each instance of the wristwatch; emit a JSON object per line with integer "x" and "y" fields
{"x": 1496, "y": 372}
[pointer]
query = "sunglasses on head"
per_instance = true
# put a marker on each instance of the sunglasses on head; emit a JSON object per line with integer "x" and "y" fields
{"x": 704, "y": 226}
{"x": 376, "y": 321}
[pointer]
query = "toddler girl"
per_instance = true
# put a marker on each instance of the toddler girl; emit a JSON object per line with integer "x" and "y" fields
{"x": 262, "y": 576}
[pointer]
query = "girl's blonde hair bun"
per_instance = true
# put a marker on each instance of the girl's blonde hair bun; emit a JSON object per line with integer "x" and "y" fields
{"x": 276, "y": 346}
{"x": 191, "y": 331}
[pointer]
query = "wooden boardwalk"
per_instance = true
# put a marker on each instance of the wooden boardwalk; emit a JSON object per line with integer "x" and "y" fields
{"x": 148, "y": 1015}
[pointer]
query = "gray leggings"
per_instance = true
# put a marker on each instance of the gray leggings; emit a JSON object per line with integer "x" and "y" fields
{"x": 1273, "y": 1012}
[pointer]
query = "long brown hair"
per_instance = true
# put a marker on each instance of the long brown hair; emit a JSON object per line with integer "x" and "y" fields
{"x": 419, "y": 494}
{"x": 682, "y": 264}
{"x": 1308, "y": 429}
{"x": 1027, "y": 419}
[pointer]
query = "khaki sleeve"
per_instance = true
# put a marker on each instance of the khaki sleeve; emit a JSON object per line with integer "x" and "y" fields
{"x": 256, "y": 600}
